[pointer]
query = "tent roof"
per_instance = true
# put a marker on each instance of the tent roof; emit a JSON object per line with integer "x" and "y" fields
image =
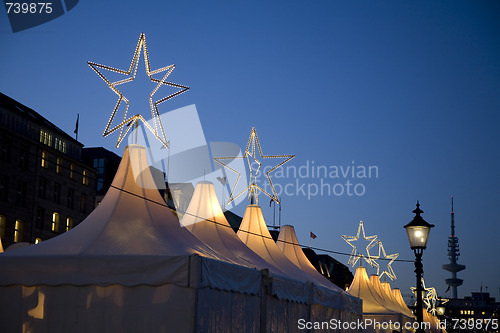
{"x": 392, "y": 296}
{"x": 254, "y": 233}
{"x": 373, "y": 302}
{"x": 389, "y": 301}
{"x": 205, "y": 219}
{"x": 131, "y": 234}
{"x": 289, "y": 244}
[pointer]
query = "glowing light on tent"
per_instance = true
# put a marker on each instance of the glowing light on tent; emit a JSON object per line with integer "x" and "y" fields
{"x": 157, "y": 128}
{"x": 251, "y": 156}
{"x": 355, "y": 256}
{"x": 381, "y": 254}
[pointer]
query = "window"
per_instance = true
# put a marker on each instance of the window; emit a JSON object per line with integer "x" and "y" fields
{"x": 3, "y": 222}
{"x": 71, "y": 198}
{"x": 71, "y": 171}
{"x": 69, "y": 223}
{"x": 40, "y": 217}
{"x": 18, "y": 231}
{"x": 23, "y": 157}
{"x": 59, "y": 163}
{"x": 57, "y": 193}
{"x": 4, "y": 187}
{"x": 21, "y": 194}
{"x": 99, "y": 165}
{"x": 45, "y": 159}
{"x": 55, "y": 222}
{"x": 85, "y": 177}
{"x": 83, "y": 203}
{"x": 5, "y": 151}
{"x": 42, "y": 187}
{"x": 60, "y": 145}
{"x": 38, "y": 240}
{"x": 45, "y": 138}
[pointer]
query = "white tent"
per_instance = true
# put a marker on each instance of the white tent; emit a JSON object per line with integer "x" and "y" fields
{"x": 376, "y": 307}
{"x": 396, "y": 292}
{"x": 131, "y": 267}
{"x": 391, "y": 295}
{"x": 289, "y": 244}
{"x": 205, "y": 219}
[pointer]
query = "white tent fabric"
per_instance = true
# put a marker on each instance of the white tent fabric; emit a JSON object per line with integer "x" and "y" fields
{"x": 131, "y": 238}
{"x": 254, "y": 233}
{"x": 130, "y": 267}
{"x": 205, "y": 219}
{"x": 372, "y": 301}
{"x": 396, "y": 292}
{"x": 390, "y": 294}
{"x": 388, "y": 301}
{"x": 289, "y": 244}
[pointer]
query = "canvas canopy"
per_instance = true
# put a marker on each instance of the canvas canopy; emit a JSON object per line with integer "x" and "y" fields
{"x": 396, "y": 292}
{"x": 205, "y": 219}
{"x": 289, "y": 244}
{"x": 130, "y": 266}
{"x": 386, "y": 286}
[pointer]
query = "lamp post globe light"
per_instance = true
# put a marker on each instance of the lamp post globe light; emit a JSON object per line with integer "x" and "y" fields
{"x": 418, "y": 233}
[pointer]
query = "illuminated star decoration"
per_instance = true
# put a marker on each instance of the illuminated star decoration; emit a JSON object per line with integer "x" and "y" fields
{"x": 430, "y": 299}
{"x": 388, "y": 258}
{"x": 157, "y": 128}
{"x": 355, "y": 256}
{"x": 250, "y": 155}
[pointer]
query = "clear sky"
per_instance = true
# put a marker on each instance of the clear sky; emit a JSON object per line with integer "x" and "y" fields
{"x": 412, "y": 88}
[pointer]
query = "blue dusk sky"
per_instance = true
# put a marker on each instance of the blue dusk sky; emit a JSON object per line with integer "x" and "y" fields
{"x": 410, "y": 88}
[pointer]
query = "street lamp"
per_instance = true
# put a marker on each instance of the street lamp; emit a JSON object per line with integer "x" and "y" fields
{"x": 418, "y": 233}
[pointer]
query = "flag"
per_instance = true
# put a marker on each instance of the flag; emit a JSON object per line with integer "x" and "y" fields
{"x": 76, "y": 125}
{"x": 313, "y": 236}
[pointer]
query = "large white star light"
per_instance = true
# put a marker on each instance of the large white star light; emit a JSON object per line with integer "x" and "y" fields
{"x": 388, "y": 258}
{"x": 250, "y": 155}
{"x": 355, "y": 255}
{"x": 157, "y": 127}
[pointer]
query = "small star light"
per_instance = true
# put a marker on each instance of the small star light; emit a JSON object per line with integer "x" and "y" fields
{"x": 157, "y": 128}
{"x": 430, "y": 298}
{"x": 355, "y": 256}
{"x": 250, "y": 155}
{"x": 388, "y": 271}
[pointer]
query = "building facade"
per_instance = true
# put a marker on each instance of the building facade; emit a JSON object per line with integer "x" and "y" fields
{"x": 45, "y": 188}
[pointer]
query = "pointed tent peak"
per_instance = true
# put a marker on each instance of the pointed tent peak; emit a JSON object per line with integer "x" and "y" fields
{"x": 288, "y": 235}
{"x": 204, "y": 206}
{"x": 138, "y": 177}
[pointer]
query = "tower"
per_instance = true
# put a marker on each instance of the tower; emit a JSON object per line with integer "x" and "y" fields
{"x": 453, "y": 254}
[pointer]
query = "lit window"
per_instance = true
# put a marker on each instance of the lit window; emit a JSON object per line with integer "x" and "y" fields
{"x": 472, "y": 312}
{"x": 55, "y": 222}
{"x": 2, "y": 226}
{"x": 45, "y": 159}
{"x": 58, "y": 165}
{"x": 38, "y": 240}
{"x": 18, "y": 231}
{"x": 60, "y": 145}
{"x": 461, "y": 312}
{"x": 45, "y": 138}
{"x": 85, "y": 179}
{"x": 71, "y": 171}
{"x": 483, "y": 313}
{"x": 69, "y": 223}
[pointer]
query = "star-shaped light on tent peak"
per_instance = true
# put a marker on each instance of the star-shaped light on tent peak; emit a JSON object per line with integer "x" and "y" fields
{"x": 157, "y": 128}
{"x": 355, "y": 256}
{"x": 388, "y": 258}
{"x": 250, "y": 155}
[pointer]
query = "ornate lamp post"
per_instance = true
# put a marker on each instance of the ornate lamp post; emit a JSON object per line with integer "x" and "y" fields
{"x": 418, "y": 233}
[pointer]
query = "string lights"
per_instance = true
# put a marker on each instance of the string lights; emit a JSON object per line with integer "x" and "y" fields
{"x": 250, "y": 155}
{"x": 157, "y": 128}
{"x": 355, "y": 256}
